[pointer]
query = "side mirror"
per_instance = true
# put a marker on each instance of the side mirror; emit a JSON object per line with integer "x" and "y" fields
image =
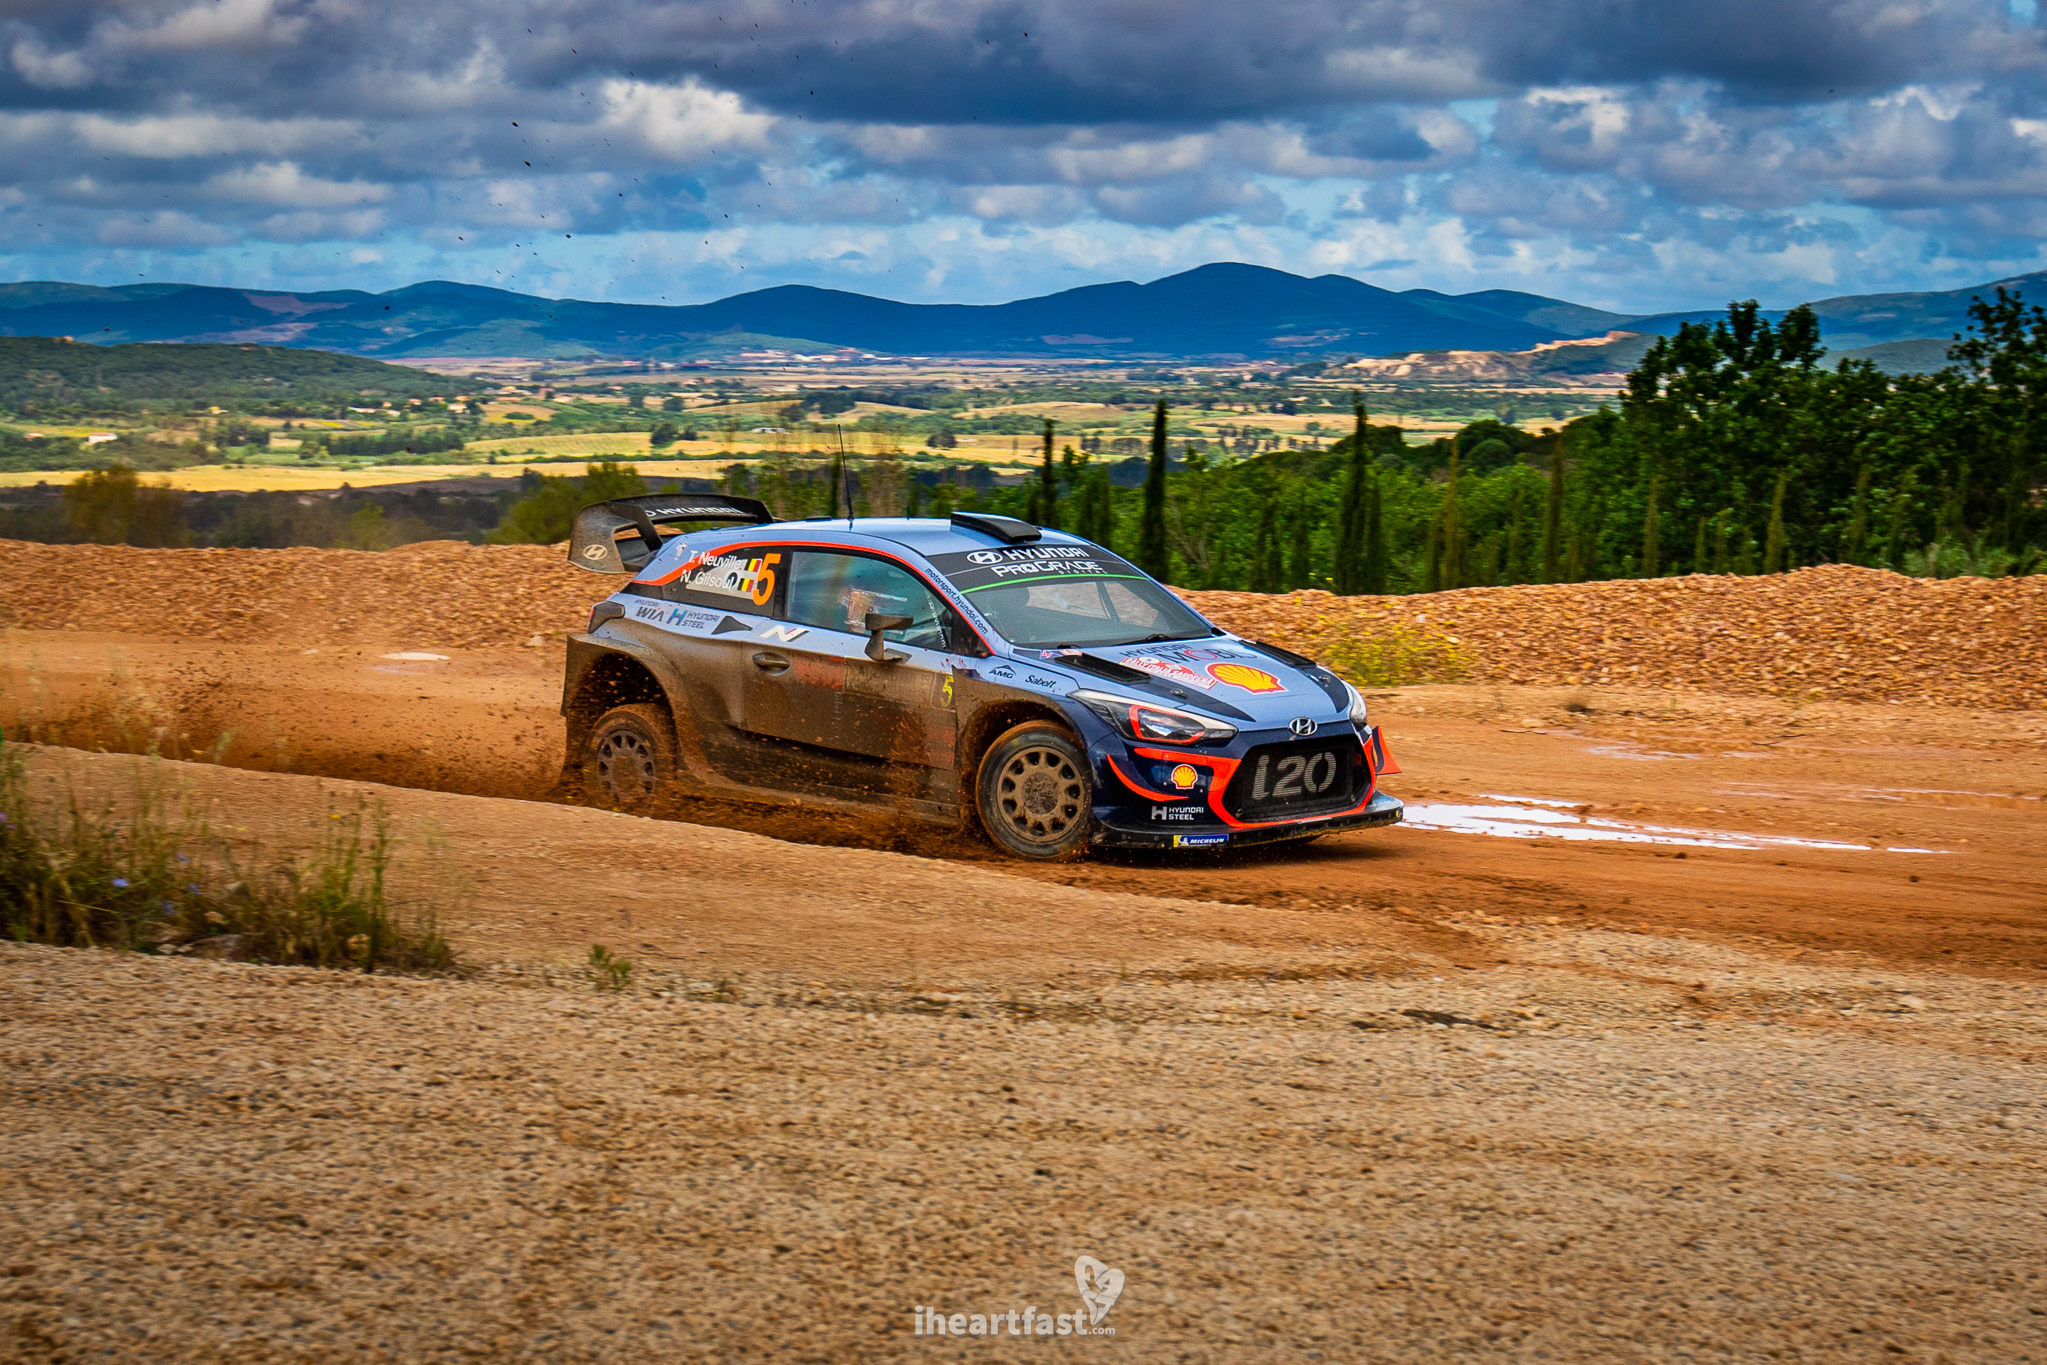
{"x": 877, "y": 647}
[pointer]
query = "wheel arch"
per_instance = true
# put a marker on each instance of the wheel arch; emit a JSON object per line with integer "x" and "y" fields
{"x": 998, "y": 718}
{"x": 600, "y": 677}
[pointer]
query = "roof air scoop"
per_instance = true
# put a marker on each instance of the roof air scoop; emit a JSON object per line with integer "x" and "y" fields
{"x": 1006, "y": 529}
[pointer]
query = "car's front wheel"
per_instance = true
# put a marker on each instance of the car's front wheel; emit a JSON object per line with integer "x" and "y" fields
{"x": 1034, "y": 796}
{"x": 629, "y": 758}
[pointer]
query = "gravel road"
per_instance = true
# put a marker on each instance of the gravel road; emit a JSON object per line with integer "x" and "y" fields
{"x": 1621, "y": 1148}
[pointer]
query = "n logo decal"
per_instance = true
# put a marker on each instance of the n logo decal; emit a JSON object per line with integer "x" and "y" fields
{"x": 784, "y": 634}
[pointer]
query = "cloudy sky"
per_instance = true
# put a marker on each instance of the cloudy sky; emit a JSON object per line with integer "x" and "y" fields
{"x": 1634, "y": 154}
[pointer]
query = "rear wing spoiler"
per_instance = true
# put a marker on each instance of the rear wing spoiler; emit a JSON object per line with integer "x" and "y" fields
{"x": 621, "y": 535}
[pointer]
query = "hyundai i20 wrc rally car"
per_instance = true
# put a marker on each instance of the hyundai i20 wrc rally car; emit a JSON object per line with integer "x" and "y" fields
{"x": 974, "y": 669}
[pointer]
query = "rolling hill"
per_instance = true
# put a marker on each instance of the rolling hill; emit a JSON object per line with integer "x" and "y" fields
{"x": 1220, "y": 311}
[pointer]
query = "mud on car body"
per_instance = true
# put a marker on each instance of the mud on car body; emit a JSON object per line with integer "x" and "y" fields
{"x": 977, "y": 669}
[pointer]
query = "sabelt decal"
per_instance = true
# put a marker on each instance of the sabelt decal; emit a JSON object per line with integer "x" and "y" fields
{"x": 1244, "y": 676}
{"x": 1199, "y": 840}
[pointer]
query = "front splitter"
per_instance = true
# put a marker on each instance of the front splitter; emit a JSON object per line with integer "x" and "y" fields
{"x": 1383, "y": 810}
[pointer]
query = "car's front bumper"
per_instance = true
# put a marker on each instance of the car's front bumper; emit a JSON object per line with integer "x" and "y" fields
{"x": 1382, "y": 810}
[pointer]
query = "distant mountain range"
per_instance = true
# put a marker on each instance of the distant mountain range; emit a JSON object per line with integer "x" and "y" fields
{"x": 1222, "y": 311}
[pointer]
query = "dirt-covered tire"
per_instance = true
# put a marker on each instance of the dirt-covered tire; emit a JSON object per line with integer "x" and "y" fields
{"x": 629, "y": 758}
{"x": 1034, "y": 795}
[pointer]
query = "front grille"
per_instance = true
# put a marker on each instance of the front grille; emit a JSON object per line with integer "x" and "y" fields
{"x": 1299, "y": 778}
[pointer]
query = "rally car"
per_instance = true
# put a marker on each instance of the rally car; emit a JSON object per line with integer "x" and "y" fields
{"x": 979, "y": 669}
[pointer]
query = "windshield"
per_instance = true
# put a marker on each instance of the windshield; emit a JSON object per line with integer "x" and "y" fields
{"x": 1068, "y": 596}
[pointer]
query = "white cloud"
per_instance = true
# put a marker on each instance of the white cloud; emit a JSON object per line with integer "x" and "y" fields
{"x": 209, "y": 27}
{"x": 683, "y": 123}
{"x": 174, "y": 136}
{"x": 47, "y": 70}
{"x": 283, "y": 183}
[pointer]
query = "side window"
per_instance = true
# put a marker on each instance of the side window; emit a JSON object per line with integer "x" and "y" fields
{"x": 742, "y": 579}
{"x": 835, "y": 591}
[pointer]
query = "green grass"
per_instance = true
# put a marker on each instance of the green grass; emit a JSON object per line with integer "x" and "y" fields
{"x": 147, "y": 874}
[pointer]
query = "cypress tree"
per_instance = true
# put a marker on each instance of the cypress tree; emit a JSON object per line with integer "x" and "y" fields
{"x": 1152, "y": 556}
{"x": 1376, "y": 566}
{"x": 1699, "y": 549}
{"x": 1451, "y": 574}
{"x": 1268, "y": 572}
{"x": 1350, "y": 518}
{"x": 1048, "y": 496}
{"x": 1652, "y": 532}
{"x": 1432, "y": 556}
{"x": 1553, "y": 515}
{"x": 1901, "y": 511}
{"x": 1858, "y": 518}
{"x": 1097, "y": 510}
{"x": 1773, "y": 538}
{"x": 1299, "y": 570}
{"x": 915, "y": 506}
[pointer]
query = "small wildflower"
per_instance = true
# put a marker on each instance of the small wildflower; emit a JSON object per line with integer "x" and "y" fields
{"x": 121, "y": 882}
{"x": 192, "y": 887}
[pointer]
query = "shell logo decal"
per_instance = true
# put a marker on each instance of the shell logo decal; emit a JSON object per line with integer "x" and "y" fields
{"x": 1244, "y": 676}
{"x": 1184, "y": 776}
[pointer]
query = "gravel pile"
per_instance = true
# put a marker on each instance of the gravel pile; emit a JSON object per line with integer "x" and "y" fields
{"x": 1838, "y": 632}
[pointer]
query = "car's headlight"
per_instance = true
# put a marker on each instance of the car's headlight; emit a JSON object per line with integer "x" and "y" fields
{"x": 1357, "y": 704}
{"x": 1150, "y": 723}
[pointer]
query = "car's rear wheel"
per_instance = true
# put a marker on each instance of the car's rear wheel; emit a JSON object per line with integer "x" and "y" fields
{"x": 630, "y": 757}
{"x": 1034, "y": 796}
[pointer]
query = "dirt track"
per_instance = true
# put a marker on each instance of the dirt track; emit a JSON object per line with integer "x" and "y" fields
{"x": 1968, "y": 784}
{"x": 1406, "y": 1095}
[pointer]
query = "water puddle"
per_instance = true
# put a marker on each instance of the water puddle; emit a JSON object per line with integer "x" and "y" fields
{"x": 1628, "y": 750}
{"x": 1534, "y": 817}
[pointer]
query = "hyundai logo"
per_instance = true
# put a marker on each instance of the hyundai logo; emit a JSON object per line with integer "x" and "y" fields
{"x": 984, "y": 557}
{"x": 1301, "y": 726}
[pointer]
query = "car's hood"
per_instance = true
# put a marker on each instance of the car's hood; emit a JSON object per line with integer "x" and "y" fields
{"x": 1221, "y": 669}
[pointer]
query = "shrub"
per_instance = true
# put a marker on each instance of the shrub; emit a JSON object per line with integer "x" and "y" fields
{"x": 155, "y": 878}
{"x": 1393, "y": 655}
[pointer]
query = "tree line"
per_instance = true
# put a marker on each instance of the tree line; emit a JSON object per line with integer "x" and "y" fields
{"x": 1733, "y": 449}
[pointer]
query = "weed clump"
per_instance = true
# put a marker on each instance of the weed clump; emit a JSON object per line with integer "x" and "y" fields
{"x": 608, "y": 971}
{"x": 154, "y": 877}
{"x": 1393, "y": 655}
